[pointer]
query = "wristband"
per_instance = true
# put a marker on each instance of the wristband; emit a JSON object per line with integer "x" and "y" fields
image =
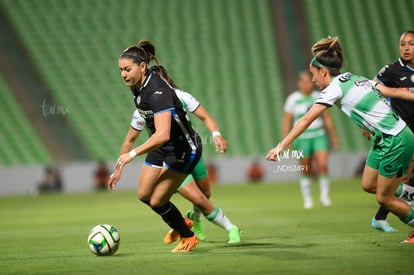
{"x": 132, "y": 153}
{"x": 215, "y": 134}
{"x": 376, "y": 83}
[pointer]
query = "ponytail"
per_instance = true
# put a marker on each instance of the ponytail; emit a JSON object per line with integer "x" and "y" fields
{"x": 143, "y": 52}
{"x": 159, "y": 69}
{"x": 328, "y": 54}
{"x": 149, "y": 48}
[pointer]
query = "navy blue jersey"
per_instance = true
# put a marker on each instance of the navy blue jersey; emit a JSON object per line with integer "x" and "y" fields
{"x": 399, "y": 75}
{"x": 157, "y": 96}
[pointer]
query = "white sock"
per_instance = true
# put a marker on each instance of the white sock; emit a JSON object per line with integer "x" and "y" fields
{"x": 218, "y": 218}
{"x": 197, "y": 213}
{"x": 305, "y": 186}
{"x": 324, "y": 185}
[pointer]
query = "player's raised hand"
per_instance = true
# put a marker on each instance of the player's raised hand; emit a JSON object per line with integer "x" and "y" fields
{"x": 114, "y": 178}
{"x": 221, "y": 144}
{"x": 274, "y": 153}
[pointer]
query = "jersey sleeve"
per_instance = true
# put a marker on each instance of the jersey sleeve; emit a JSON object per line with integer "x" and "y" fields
{"x": 137, "y": 122}
{"x": 161, "y": 100}
{"x": 385, "y": 76}
{"x": 289, "y": 104}
{"x": 329, "y": 95}
{"x": 190, "y": 103}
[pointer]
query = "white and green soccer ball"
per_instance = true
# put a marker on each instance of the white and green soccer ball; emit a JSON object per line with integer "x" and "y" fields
{"x": 104, "y": 240}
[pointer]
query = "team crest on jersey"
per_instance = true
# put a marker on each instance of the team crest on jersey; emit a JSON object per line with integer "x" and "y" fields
{"x": 141, "y": 123}
{"x": 412, "y": 78}
{"x": 138, "y": 100}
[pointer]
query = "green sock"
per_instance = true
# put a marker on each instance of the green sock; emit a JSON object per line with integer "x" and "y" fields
{"x": 409, "y": 219}
{"x": 399, "y": 190}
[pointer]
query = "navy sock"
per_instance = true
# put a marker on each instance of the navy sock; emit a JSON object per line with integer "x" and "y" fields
{"x": 382, "y": 213}
{"x": 172, "y": 216}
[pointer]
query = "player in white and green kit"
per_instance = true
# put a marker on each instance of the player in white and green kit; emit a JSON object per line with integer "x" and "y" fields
{"x": 313, "y": 142}
{"x": 392, "y": 146}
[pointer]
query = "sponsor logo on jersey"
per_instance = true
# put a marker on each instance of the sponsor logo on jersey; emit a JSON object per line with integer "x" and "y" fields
{"x": 158, "y": 93}
{"x": 403, "y": 78}
{"x": 146, "y": 113}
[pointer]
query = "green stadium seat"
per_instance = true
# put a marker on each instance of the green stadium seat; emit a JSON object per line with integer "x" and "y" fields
{"x": 209, "y": 47}
{"x": 19, "y": 143}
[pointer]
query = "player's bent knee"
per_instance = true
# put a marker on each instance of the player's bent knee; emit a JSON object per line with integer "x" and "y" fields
{"x": 384, "y": 200}
{"x": 369, "y": 187}
{"x": 143, "y": 197}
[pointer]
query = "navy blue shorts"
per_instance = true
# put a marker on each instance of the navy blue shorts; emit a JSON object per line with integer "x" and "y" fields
{"x": 182, "y": 161}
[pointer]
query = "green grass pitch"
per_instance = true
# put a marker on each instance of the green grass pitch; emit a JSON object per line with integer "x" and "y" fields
{"x": 48, "y": 234}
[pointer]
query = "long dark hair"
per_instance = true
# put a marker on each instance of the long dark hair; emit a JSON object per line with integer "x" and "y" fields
{"x": 143, "y": 52}
{"x": 159, "y": 69}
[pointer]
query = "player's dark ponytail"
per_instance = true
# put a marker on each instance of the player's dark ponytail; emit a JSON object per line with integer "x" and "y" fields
{"x": 159, "y": 69}
{"x": 149, "y": 48}
{"x": 143, "y": 52}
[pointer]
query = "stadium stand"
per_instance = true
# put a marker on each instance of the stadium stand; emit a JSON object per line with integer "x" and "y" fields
{"x": 19, "y": 143}
{"x": 209, "y": 47}
{"x": 221, "y": 51}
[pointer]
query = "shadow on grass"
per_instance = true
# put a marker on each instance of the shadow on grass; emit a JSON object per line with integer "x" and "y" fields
{"x": 270, "y": 248}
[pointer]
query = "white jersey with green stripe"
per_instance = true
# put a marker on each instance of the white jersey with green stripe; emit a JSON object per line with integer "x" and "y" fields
{"x": 298, "y": 105}
{"x": 190, "y": 104}
{"x": 358, "y": 98}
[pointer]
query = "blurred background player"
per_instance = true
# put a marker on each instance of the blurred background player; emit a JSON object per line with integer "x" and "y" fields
{"x": 313, "y": 142}
{"x": 255, "y": 172}
{"x": 173, "y": 148}
{"x": 360, "y": 99}
{"x": 51, "y": 182}
{"x": 101, "y": 176}
{"x": 399, "y": 74}
{"x": 198, "y": 179}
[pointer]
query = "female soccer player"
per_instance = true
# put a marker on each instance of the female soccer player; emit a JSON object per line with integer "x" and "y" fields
{"x": 313, "y": 142}
{"x": 399, "y": 74}
{"x": 174, "y": 148}
{"x": 198, "y": 179}
{"x": 363, "y": 101}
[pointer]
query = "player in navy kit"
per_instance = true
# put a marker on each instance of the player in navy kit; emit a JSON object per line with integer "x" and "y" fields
{"x": 399, "y": 74}
{"x": 173, "y": 148}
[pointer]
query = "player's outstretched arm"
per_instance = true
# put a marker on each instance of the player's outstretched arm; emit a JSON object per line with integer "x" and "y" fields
{"x": 219, "y": 142}
{"x": 297, "y": 130}
{"x": 401, "y": 93}
{"x": 127, "y": 145}
{"x": 287, "y": 123}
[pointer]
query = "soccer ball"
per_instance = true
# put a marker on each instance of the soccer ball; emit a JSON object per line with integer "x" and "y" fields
{"x": 104, "y": 240}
